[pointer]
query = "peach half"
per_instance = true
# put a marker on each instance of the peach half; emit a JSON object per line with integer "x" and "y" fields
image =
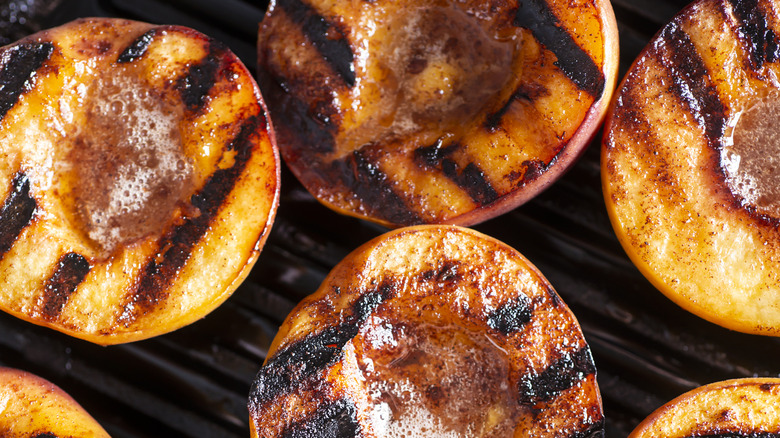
{"x": 691, "y": 164}
{"x": 34, "y": 407}
{"x": 138, "y": 178}
{"x": 413, "y": 112}
{"x": 429, "y": 331}
{"x": 748, "y": 407}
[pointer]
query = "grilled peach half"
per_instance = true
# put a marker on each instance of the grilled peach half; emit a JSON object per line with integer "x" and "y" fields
{"x": 733, "y": 408}
{"x": 414, "y": 112}
{"x": 689, "y": 163}
{"x": 138, "y": 178}
{"x": 34, "y": 407}
{"x": 432, "y": 330}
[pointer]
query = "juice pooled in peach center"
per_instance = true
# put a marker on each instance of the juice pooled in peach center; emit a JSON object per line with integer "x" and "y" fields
{"x": 426, "y": 380}
{"x": 751, "y": 157}
{"x": 127, "y": 169}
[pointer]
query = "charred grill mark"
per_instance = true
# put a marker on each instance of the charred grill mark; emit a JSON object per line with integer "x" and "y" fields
{"x": 176, "y": 245}
{"x": 17, "y": 212}
{"x": 296, "y": 363}
{"x": 306, "y": 128}
{"x": 45, "y": 435}
{"x": 137, "y": 48}
{"x": 71, "y": 271}
{"x": 761, "y": 42}
{"x": 596, "y": 430}
{"x": 360, "y": 174}
{"x": 691, "y": 82}
{"x": 448, "y": 271}
{"x": 333, "y": 420}
{"x": 194, "y": 87}
{"x": 574, "y": 62}
{"x": 327, "y": 37}
{"x": 525, "y": 92}
{"x": 18, "y": 65}
{"x": 470, "y": 178}
{"x": 512, "y": 316}
{"x": 558, "y": 377}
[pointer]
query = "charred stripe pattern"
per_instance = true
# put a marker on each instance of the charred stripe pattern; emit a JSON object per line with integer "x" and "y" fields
{"x": 326, "y": 36}
{"x": 296, "y": 363}
{"x": 18, "y": 67}
{"x": 561, "y": 375}
{"x": 332, "y": 420}
{"x": 691, "y": 81}
{"x": 17, "y": 212}
{"x": 574, "y": 62}
{"x": 360, "y": 173}
{"x": 71, "y": 271}
{"x": 160, "y": 272}
{"x": 137, "y": 48}
{"x": 760, "y": 41}
{"x": 470, "y": 177}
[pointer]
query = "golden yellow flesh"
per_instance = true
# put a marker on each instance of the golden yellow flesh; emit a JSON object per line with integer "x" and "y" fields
{"x": 436, "y": 111}
{"x": 739, "y": 407}
{"x": 162, "y": 199}
{"x": 441, "y": 344}
{"x": 32, "y": 406}
{"x": 683, "y": 199}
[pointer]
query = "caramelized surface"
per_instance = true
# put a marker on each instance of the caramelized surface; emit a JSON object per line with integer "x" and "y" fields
{"x": 425, "y": 380}
{"x": 33, "y": 407}
{"x": 126, "y": 168}
{"x": 141, "y": 178}
{"x": 429, "y": 331}
{"x": 700, "y": 95}
{"x": 435, "y": 111}
{"x": 748, "y": 407}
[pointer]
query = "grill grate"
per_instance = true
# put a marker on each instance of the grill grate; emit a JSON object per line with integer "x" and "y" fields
{"x": 194, "y": 382}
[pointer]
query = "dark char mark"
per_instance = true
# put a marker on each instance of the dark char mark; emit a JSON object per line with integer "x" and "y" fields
{"x": 176, "y": 245}
{"x": 470, "y": 178}
{"x": 596, "y": 430}
{"x": 17, "y": 212}
{"x": 575, "y": 63}
{"x": 71, "y": 271}
{"x": 194, "y": 87}
{"x": 296, "y": 363}
{"x": 526, "y": 92}
{"x": 333, "y": 420}
{"x": 137, "y": 48}
{"x": 327, "y": 37}
{"x": 512, "y": 316}
{"x": 45, "y": 435}
{"x": 558, "y": 377}
{"x": 360, "y": 174}
{"x": 761, "y": 41}
{"x": 691, "y": 81}
{"x": 18, "y": 65}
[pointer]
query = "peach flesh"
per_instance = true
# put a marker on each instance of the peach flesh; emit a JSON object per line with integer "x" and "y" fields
{"x": 437, "y": 381}
{"x": 751, "y": 156}
{"x": 127, "y": 166}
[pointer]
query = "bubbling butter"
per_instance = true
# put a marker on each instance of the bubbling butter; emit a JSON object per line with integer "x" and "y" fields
{"x": 128, "y": 171}
{"x": 751, "y": 157}
{"x": 427, "y": 381}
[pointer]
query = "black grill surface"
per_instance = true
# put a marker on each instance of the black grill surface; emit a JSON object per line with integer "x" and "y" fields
{"x": 195, "y": 382}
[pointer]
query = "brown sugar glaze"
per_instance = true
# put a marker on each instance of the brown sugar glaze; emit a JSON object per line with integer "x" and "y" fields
{"x": 127, "y": 165}
{"x": 430, "y": 380}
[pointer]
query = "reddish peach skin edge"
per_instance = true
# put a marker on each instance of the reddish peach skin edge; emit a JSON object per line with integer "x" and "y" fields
{"x": 659, "y": 413}
{"x": 578, "y": 143}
